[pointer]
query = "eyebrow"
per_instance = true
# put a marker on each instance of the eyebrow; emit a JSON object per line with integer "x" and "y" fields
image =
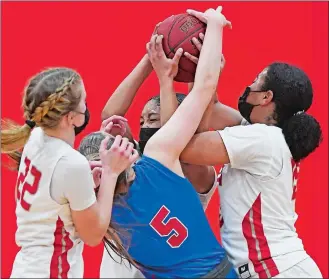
{"x": 153, "y": 113}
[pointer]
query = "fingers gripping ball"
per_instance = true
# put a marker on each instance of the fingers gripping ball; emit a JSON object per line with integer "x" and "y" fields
{"x": 178, "y": 31}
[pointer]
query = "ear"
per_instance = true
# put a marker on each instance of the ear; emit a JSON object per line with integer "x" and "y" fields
{"x": 267, "y": 97}
{"x": 70, "y": 117}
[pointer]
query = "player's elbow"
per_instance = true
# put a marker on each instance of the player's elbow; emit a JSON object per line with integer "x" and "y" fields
{"x": 186, "y": 157}
{"x": 94, "y": 242}
{"x": 94, "y": 238}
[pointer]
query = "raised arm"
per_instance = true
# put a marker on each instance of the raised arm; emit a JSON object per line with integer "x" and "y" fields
{"x": 123, "y": 96}
{"x": 93, "y": 222}
{"x": 206, "y": 119}
{"x": 167, "y": 144}
{"x": 221, "y": 115}
{"x": 168, "y": 99}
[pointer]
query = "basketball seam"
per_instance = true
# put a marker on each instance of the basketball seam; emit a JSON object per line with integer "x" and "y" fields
{"x": 185, "y": 39}
{"x": 172, "y": 49}
{"x": 172, "y": 26}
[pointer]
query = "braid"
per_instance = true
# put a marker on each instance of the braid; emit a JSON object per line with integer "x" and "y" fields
{"x": 54, "y": 105}
{"x": 47, "y": 97}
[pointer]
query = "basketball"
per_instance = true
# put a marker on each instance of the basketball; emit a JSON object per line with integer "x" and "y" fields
{"x": 178, "y": 31}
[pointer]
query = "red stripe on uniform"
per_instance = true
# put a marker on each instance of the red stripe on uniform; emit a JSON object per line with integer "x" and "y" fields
{"x": 219, "y": 177}
{"x": 65, "y": 263}
{"x": 295, "y": 173}
{"x": 251, "y": 241}
{"x": 221, "y": 220}
{"x": 253, "y": 221}
{"x": 60, "y": 235}
{"x": 54, "y": 264}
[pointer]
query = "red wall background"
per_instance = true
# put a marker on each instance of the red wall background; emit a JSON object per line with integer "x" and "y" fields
{"x": 104, "y": 41}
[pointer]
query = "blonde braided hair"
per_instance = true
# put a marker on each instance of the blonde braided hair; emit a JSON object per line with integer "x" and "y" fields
{"x": 47, "y": 98}
{"x": 49, "y": 111}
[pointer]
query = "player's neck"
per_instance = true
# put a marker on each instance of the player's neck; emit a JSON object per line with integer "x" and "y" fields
{"x": 64, "y": 135}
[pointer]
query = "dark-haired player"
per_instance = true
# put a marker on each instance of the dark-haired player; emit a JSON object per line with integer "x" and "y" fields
{"x": 258, "y": 181}
{"x": 165, "y": 236}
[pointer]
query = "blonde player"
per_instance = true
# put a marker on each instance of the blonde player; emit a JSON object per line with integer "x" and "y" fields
{"x": 258, "y": 181}
{"x": 57, "y": 210}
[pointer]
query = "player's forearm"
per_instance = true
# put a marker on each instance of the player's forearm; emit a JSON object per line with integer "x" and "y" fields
{"x": 223, "y": 116}
{"x": 209, "y": 64}
{"x": 205, "y": 121}
{"x": 105, "y": 198}
{"x": 123, "y": 96}
{"x": 188, "y": 115}
{"x": 168, "y": 100}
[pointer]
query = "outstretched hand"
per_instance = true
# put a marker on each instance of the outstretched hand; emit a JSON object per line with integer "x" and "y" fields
{"x": 211, "y": 15}
{"x": 164, "y": 67}
{"x": 114, "y": 125}
{"x": 198, "y": 44}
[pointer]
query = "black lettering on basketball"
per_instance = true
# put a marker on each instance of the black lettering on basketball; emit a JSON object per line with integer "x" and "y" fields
{"x": 188, "y": 24}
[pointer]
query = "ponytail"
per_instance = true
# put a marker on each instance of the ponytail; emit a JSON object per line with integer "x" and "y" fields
{"x": 13, "y": 139}
{"x": 303, "y": 135}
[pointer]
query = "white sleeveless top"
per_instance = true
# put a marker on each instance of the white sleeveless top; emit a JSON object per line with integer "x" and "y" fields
{"x": 50, "y": 245}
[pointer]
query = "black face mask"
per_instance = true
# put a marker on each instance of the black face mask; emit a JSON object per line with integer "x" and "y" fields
{"x": 245, "y": 108}
{"x": 78, "y": 130}
{"x": 144, "y": 135}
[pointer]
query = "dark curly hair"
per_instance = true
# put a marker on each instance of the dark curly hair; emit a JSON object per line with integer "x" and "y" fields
{"x": 293, "y": 96}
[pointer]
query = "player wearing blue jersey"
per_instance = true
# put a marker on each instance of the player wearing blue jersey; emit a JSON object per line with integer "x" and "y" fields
{"x": 169, "y": 237}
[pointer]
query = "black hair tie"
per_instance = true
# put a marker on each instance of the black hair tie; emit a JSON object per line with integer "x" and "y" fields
{"x": 30, "y": 123}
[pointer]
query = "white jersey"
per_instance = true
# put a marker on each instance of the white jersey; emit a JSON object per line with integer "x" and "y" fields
{"x": 206, "y": 197}
{"x": 50, "y": 245}
{"x": 257, "y": 196}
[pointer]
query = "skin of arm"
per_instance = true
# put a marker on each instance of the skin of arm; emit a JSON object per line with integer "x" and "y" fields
{"x": 123, "y": 96}
{"x": 205, "y": 149}
{"x": 223, "y": 116}
{"x": 98, "y": 215}
{"x": 187, "y": 117}
{"x": 201, "y": 177}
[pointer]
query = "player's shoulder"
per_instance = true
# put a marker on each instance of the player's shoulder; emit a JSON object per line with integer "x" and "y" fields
{"x": 261, "y": 129}
{"x": 72, "y": 159}
{"x": 270, "y": 135}
{"x": 151, "y": 169}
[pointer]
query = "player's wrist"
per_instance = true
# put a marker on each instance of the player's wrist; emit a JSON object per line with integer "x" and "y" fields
{"x": 215, "y": 23}
{"x": 108, "y": 172}
{"x": 166, "y": 81}
{"x": 146, "y": 62}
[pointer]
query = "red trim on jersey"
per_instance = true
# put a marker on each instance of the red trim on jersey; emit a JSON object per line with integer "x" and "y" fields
{"x": 295, "y": 173}
{"x": 60, "y": 236}
{"x": 221, "y": 220}
{"x": 219, "y": 178}
{"x": 54, "y": 264}
{"x": 258, "y": 249}
{"x": 65, "y": 263}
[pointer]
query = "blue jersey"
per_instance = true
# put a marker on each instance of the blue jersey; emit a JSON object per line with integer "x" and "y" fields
{"x": 169, "y": 233}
